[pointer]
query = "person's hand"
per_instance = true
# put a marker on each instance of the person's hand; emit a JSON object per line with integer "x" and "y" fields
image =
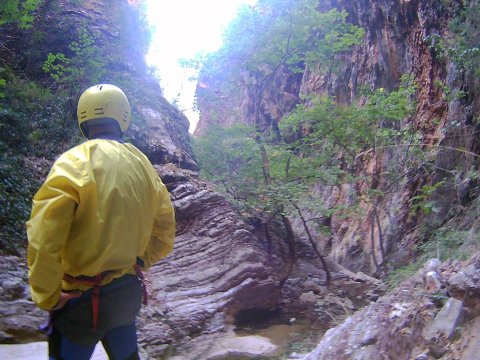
{"x": 64, "y": 298}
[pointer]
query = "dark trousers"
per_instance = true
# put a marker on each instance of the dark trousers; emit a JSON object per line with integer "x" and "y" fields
{"x": 73, "y": 336}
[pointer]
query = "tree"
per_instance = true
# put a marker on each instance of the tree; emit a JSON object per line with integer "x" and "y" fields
{"x": 319, "y": 143}
{"x": 271, "y": 37}
{"x": 274, "y": 36}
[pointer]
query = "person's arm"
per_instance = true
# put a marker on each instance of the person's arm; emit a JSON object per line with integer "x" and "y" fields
{"x": 52, "y": 213}
{"x": 163, "y": 233}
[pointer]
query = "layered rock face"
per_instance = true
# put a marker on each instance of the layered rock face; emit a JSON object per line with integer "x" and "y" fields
{"x": 218, "y": 269}
{"x": 395, "y": 44}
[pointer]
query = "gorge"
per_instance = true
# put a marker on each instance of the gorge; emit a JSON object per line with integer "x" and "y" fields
{"x": 234, "y": 276}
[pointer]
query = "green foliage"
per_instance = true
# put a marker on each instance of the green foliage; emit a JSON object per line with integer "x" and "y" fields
{"x": 33, "y": 120}
{"x": 84, "y": 66}
{"x": 227, "y": 157}
{"x": 275, "y": 34}
{"x": 346, "y": 130}
{"x": 448, "y": 92}
{"x": 273, "y": 175}
{"x": 402, "y": 273}
{"x": 3, "y": 82}
{"x": 18, "y": 12}
{"x": 57, "y": 66}
{"x": 445, "y": 243}
{"x": 16, "y": 190}
{"x": 2, "y": 86}
{"x": 464, "y": 46}
{"x": 33, "y": 123}
{"x": 422, "y": 202}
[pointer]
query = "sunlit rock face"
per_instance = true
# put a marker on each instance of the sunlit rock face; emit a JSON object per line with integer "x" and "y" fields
{"x": 221, "y": 109}
{"x": 163, "y": 135}
{"x": 114, "y": 42}
{"x": 394, "y": 45}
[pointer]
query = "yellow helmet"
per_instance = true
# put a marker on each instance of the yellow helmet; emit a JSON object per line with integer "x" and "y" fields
{"x": 102, "y": 103}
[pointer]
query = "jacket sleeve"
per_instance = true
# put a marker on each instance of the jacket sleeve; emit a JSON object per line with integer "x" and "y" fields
{"x": 163, "y": 232}
{"x": 52, "y": 213}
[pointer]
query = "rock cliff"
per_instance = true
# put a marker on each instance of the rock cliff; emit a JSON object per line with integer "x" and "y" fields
{"x": 395, "y": 43}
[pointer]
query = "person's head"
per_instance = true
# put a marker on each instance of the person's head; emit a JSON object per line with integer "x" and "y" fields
{"x": 103, "y": 109}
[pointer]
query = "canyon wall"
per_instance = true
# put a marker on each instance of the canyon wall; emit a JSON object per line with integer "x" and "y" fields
{"x": 395, "y": 44}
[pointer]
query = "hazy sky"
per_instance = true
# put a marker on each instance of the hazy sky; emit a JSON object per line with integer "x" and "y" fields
{"x": 184, "y": 28}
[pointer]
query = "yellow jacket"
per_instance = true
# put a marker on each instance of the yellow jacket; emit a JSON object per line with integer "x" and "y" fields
{"x": 101, "y": 206}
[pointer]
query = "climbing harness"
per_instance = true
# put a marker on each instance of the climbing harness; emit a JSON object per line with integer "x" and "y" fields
{"x": 94, "y": 283}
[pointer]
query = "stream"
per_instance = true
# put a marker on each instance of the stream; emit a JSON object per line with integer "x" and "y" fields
{"x": 294, "y": 338}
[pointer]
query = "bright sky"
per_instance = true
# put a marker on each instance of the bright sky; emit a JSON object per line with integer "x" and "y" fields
{"x": 184, "y": 28}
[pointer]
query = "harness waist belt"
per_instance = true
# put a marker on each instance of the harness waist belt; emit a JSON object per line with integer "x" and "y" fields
{"x": 94, "y": 282}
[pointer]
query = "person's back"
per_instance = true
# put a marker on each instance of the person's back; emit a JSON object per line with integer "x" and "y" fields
{"x": 117, "y": 195}
{"x": 101, "y": 214}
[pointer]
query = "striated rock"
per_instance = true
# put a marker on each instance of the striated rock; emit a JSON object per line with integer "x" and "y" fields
{"x": 218, "y": 269}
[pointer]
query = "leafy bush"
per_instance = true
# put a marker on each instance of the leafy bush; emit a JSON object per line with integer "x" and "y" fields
{"x": 16, "y": 190}
{"x": 33, "y": 123}
{"x": 445, "y": 244}
{"x": 84, "y": 66}
{"x": 272, "y": 175}
{"x": 19, "y": 12}
{"x": 463, "y": 47}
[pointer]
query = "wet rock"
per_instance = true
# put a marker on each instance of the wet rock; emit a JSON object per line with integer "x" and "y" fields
{"x": 219, "y": 268}
{"x": 244, "y": 347}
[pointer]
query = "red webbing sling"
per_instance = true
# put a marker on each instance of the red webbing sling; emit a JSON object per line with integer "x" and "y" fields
{"x": 95, "y": 281}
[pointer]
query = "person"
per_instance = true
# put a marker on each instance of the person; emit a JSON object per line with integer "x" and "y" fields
{"x": 101, "y": 216}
